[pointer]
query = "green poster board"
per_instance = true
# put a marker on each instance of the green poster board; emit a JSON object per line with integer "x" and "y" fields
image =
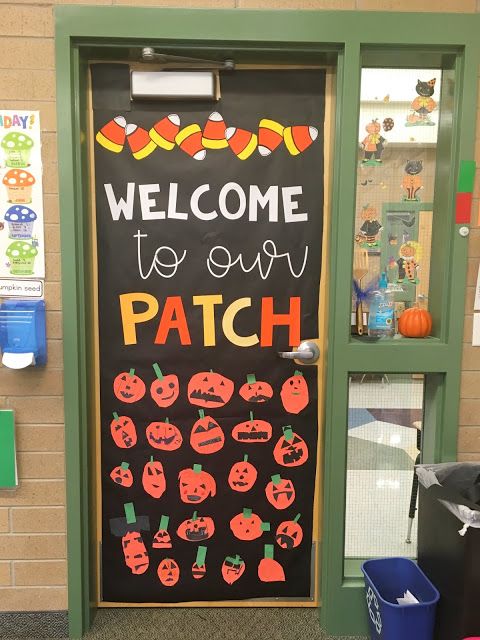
{"x": 8, "y": 463}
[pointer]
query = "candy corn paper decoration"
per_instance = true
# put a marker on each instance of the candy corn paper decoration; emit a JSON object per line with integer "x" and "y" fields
{"x": 299, "y": 138}
{"x": 270, "y": 136}
{"x": 242, "y": 143}
{"x": 214, "y": 132}
{"x": 164, "y": 131}
{"x": 139, "y": 141}
{"x": 112, "y": 135}
{"x": 189, "y": 139}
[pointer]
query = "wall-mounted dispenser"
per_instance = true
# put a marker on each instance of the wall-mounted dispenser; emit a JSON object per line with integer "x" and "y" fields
{"x": 23, "y": 339}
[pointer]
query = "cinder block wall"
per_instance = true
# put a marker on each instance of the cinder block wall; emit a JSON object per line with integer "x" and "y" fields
{"x": 32, "y": 519}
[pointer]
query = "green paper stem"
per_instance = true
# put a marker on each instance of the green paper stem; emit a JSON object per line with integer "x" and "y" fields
{"x": 234, "y": 559}
{"x": 251, "y": 378}
{"x": 151, "y": 458}
{"x": 297, "y": 517}
{"x": 164, "y": 520}
{"x": 265, "y": 526}
{"x": 298, "y": 373}
{"x": 201, "y": 413}
{"x": 268, "y": 551}
{"x": 124, "y": 465}
{"x": 130, "y": 513}
{"x": 197, "y": 468}
{"x": 115, "y": 415}
{"x": 201, "y": 555}
{"x": 211, "y": 370}
{"x": 167, "y": 420}
{"x": 158, "y": 371}
{"x": 247, "y": 513}
{"x": 245, "y": 457}
{"x": 288, "y": 433}
{"x": 132, "y": 372}
{"x": 195, "y": 516}
{"x": 251, "y": 416}
{"x": 276, "y": 479}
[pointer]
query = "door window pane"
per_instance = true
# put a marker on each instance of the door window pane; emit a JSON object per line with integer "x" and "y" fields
{"x": 385, "y": 416}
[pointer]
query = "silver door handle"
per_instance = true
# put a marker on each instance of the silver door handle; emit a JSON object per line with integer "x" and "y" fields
{"x": 308, "y": 352}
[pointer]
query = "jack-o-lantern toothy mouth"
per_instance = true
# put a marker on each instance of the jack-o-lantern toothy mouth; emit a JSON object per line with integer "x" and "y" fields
{"x": 253, "y": 435}
{"x": 195, "y": 535}
{"x": 285, "y": 541}
{"x": 205, "y": 443}
{"x": 127, "y": 440}
{"x": 193, "y": 497}
{"x": 278, "y": 494}
{"x": 203, "y": 395}
{"x": 259, "y": 398}
{"x": 162, "y": 439}
{"x": 239, "y": 483}
{"x": 292, "y": 456}
{"x": 124, "y": 394}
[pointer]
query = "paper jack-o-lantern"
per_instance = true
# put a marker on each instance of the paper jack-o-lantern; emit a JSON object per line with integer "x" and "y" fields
{"x": 233, "y": 568}
{"x": 165, "y": 389}
{"x": 196, "y": 529}
{"x": 294, "y": 393}
{"x": 242, "y": 476}
{"x": 280, "y": 492}
{"x": 168, "y": 572}
{"x": 289, "y": 533}
{"x": 291, "y": 450}
{"x": 206, "y": 435}
{"x": 164, "y": 436}
{"x": 162, "y": 539}
{"x": 252, "y": 430}
{"x": 122, "y": 475}
{"x": 128, "y": 387}
{"x": 135, "y": 552}
{"x": 123, "y": 431}
{"x": 153, "y": 478}
{"x": 199, "y": 568}
{"x": 269, "y": 570}
{"x": 209, "y": 390}
{"x": 255, "y": 391}
{"x": 248, "y": 526}
{"x": 196, "y": 485}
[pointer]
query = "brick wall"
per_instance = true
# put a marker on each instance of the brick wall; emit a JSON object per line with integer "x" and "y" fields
{"x": 32, "y": 519}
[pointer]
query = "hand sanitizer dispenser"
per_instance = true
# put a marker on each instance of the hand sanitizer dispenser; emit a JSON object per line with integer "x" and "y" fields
{"x": 23, "y": 339}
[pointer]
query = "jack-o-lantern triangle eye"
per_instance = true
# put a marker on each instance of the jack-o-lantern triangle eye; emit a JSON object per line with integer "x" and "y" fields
{"x": 222, "y": 384}
{"x": 205, "y": 379}
{"x": 200, "y": 429}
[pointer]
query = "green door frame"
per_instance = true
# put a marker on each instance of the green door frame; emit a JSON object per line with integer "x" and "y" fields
{"x": 347, "y": 39}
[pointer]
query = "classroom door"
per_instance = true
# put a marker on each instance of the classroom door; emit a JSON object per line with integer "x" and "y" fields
{"x": 209, "y": 223}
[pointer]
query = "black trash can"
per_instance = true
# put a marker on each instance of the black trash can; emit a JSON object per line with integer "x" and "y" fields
{"x": 449, "y": 544}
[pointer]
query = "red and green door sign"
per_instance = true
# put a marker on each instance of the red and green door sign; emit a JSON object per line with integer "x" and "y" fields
{"x": 209, "y": 225}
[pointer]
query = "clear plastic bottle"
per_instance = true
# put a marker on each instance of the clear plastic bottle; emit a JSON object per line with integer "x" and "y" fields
{"x": 381, "y": 318}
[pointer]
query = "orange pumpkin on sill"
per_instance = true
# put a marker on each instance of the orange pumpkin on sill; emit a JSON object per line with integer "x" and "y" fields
{"x": 415, "y": 323}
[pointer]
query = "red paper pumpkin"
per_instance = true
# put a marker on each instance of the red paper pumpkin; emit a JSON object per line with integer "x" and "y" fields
{"x": 280, "y": 492}
{"x": 123, "y": 431}
{"x": 153, "y": 478}
{"x": 252, "y": 430}
{"x": 289, "y": 533}
{"x": 291, "y": 450}
{"x": 294, "y": 393}
{"x": 248, "y": 526}
{"x": 206, "y": 435}
{"x": 135, "y": 552}
{"x": 269, "y": 570}
{"x": 128, "y": 387}
{"x": 165, "y": 389}
{"x": 415, "y": 323}
{"x": 255, "y": 391}
{"x": 242, "y": 476}
{"x": 164, "y": 436}
{"x": 196, "y": 529}
{"x": 196, "y": 485}
{"x": 210, "y": 390}
{"x": 232, "y": 569}
{"x": 122, "y": 475}
{"x": 162, "y": 539}
{"x": 168, "y": 572}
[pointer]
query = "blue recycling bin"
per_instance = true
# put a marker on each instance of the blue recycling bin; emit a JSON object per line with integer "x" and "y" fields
{"x": 387, "y": 579}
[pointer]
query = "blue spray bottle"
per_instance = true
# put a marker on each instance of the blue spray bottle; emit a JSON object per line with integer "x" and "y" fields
{"x": 381, "y": 319}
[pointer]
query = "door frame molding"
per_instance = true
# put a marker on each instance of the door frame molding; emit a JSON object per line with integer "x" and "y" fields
{"x": 348, "y": 39}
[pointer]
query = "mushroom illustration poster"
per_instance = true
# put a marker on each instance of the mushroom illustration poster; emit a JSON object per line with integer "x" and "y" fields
{"x": 209, "y": 221}
{"x": 22, "y": 253}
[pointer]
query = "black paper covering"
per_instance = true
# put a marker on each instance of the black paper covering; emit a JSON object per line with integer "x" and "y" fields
{"x": 289, "y": 97}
